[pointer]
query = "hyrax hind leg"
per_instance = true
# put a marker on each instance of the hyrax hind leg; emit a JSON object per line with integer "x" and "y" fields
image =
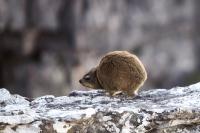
{"x": 133, "y": 92}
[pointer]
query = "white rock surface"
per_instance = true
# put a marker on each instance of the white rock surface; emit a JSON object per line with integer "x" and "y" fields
{"x": 159, "y": 110}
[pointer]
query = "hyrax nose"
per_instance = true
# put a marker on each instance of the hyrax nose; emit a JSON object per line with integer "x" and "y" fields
{"x": 80, "y": 81}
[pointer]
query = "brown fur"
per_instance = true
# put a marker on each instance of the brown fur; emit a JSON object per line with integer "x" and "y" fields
{"x": 117, "y": 71}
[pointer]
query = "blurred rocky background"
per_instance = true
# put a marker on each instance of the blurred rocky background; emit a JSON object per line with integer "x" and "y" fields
{"x": 47, "y": 45}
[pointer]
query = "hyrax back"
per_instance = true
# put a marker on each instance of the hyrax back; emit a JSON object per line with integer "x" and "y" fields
{"x": 117, "y": 71}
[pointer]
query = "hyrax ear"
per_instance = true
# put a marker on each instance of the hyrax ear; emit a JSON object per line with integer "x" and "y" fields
{"x": 93, "y": 69}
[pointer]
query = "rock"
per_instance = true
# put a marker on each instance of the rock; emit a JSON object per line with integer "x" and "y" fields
{"x": 158, "y": 110}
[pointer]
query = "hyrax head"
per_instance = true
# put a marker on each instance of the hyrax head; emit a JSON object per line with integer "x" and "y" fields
{"x": 90, "y": 80}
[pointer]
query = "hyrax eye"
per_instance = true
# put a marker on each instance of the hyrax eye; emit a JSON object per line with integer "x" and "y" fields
{"x": 87, "y": 77}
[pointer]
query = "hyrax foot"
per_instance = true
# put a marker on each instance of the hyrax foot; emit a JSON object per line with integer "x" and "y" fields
{"x": 114, "y": 93}
{"x": 132, "y": 95}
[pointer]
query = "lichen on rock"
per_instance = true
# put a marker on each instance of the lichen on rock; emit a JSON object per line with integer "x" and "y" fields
{"x": 158, "y": 110}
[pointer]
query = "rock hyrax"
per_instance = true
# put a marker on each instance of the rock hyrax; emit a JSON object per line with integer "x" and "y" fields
{"x": 117, "y": 71}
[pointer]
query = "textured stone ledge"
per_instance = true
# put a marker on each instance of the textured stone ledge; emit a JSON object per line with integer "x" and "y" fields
{"x": 161, "y": 110}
